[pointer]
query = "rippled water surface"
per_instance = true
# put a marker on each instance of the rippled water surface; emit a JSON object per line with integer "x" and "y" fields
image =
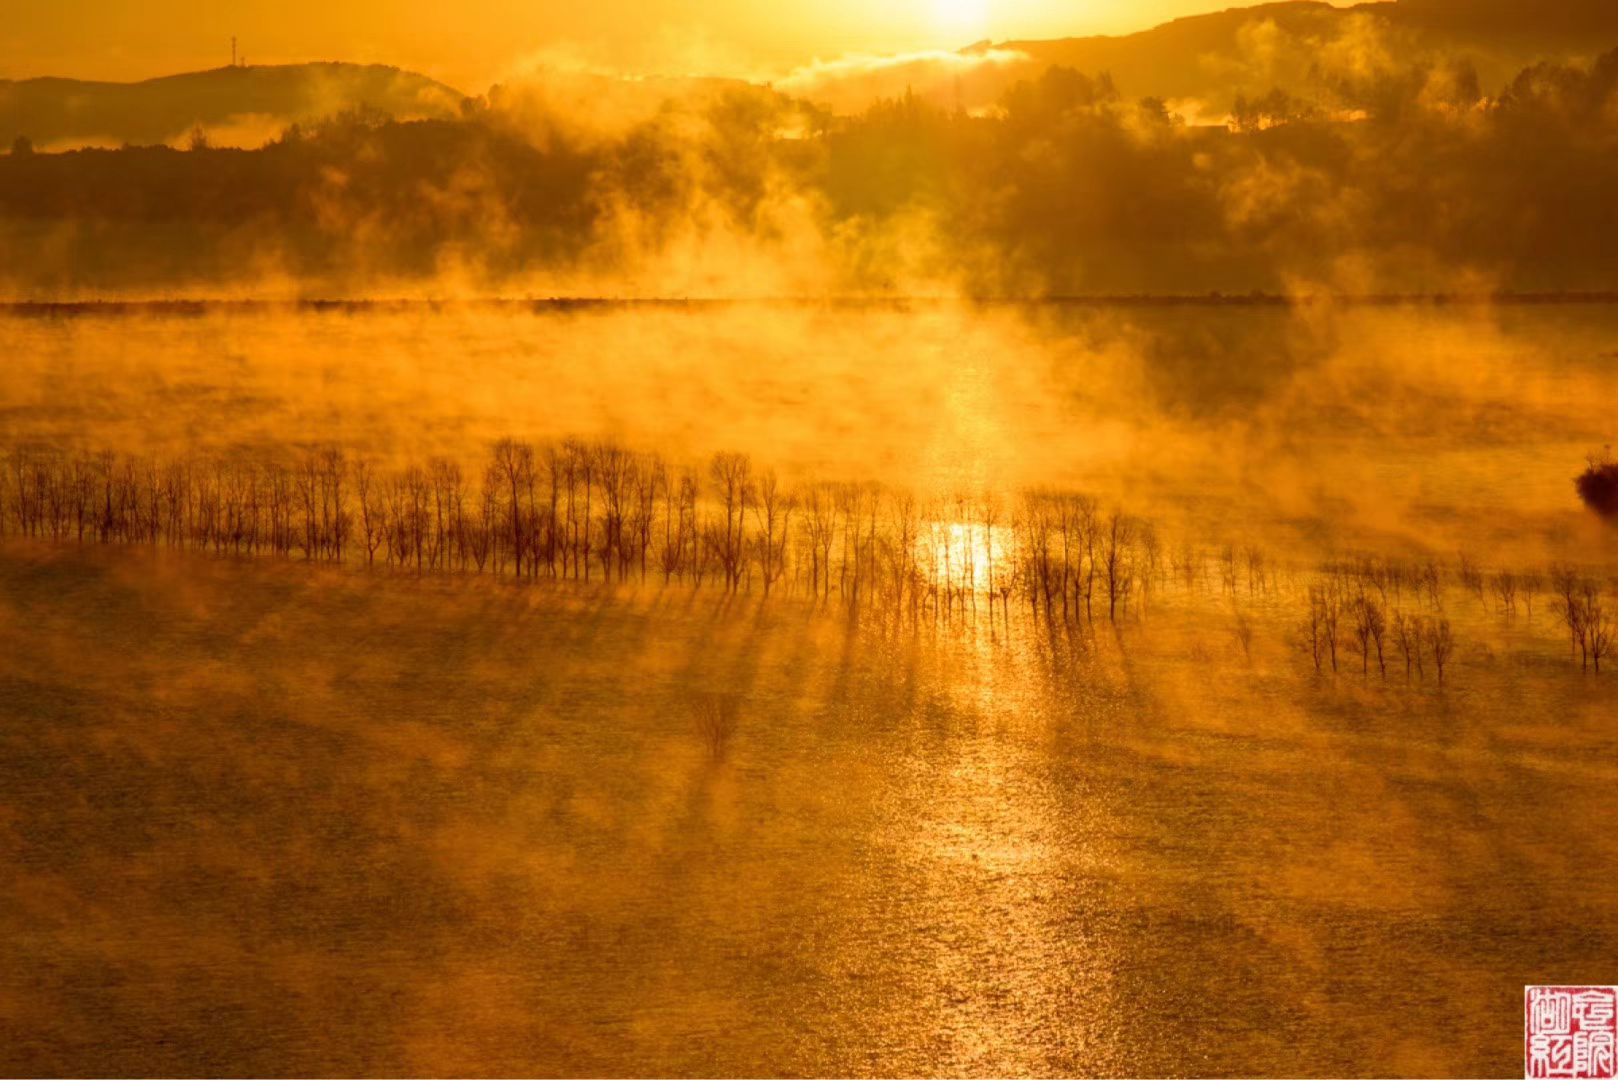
{"x": 266, "y": 819}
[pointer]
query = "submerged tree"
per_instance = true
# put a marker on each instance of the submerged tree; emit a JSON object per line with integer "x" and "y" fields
{"x": 1409, "y": 634}
{"x": 1441, "y": 641}
{"x": 1370, "y": 628}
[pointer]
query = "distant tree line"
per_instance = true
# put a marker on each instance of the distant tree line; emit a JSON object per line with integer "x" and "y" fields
{"x": 1068, "y": 187}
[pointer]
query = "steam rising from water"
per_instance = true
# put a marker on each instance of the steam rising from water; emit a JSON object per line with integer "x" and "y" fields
{"x": 1407, "y": 428}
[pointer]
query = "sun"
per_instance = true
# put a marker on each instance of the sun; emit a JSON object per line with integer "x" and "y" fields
{"x": 961, "y": 16}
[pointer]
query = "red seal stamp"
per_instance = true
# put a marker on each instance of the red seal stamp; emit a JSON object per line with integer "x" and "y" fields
{"x": 1570, "y": 1032}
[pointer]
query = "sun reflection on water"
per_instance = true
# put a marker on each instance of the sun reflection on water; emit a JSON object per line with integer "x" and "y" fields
{"x": 967, "y": 556}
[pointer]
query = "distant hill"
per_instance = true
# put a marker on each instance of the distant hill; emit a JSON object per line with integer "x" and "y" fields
{"x": 1222, "y": 53}
{"x": 251, "y": 102}
{"x": 1203, "y": 62}
{"x": 1250, "y": 49}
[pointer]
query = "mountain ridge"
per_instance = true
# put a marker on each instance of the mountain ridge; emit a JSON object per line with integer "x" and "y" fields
{"x": 52, "y": 110}
{"x": 1239, "y": 48}
{"x": 1202, "y": 63}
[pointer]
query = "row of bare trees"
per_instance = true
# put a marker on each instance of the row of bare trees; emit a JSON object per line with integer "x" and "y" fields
{"x": 1579, "y": 606}
{"x": 594, "y": 510}
{"x": 580, "y": 510}
{"x": 1356, "y": 607}
{"x": 1344, "y": 615}
{"x": 584, "y": 510}
{"x": 220, "y": 506}
{"x": 1072, "y": 552}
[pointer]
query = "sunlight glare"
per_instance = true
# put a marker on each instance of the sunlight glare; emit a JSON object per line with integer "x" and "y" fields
{"x": 961, "y": 16}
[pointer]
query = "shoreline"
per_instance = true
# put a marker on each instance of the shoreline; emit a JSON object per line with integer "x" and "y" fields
{"x": 22, "y": 309}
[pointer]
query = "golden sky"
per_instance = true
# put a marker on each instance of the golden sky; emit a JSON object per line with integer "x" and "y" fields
{"x": 471, "y": 43}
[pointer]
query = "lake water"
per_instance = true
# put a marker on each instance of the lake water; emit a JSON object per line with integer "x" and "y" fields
{"x": 266, "y": 818}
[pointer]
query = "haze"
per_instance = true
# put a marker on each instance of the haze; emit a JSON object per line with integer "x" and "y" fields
{"x": 472, "y": 44}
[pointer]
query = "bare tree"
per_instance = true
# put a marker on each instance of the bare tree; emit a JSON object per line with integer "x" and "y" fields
{"x": 1432, "y": 583}
{"x": 1592, "y": 624}
{"x": 1409, "y": 634}
{"x": 1470, "y": 577}
{"x": 1599, "y": 632}
{"x": 1313, "y": 629}
{"x": 989, "y": 514}
{"x": 612, "y": 474}
{"x": 732, "y": 477}
{"x": 370, "y": 510}
{"x": 773, "y": 510}
{"x": 1531, "y": 584}
{"x": 1119, "y": 535}
{"x": 1568, "y": 588}
{"x": 1441, "y": 640}
{"x": 1504, "y": 585}
{"x": 1370, "y": 626}
{"x": 514, "y": 463}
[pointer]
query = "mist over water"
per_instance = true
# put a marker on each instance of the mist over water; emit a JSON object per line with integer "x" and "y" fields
{"x": 264, "y": 816}
{"x": 1406, "y": 429}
